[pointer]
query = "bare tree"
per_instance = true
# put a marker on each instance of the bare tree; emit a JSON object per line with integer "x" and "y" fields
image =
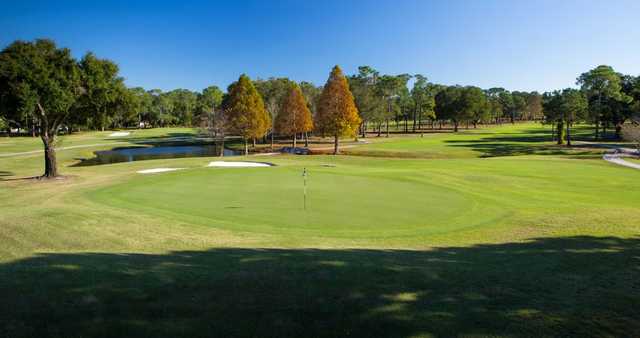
{"x": 213, "y": 124}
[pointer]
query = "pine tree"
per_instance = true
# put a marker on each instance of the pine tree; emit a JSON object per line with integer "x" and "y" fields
{"x": 245, "y": 112}
{"x": 337, "y": 113}
{"x": 295, "y": 116}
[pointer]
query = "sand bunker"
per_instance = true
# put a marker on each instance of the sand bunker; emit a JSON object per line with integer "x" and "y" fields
{"x": 157, "y": 170}
{"x": 119, "y": 134}
{"x": 226, "y": 164}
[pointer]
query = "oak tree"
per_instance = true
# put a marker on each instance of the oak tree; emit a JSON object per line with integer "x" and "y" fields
{"x": 42, "y": 79}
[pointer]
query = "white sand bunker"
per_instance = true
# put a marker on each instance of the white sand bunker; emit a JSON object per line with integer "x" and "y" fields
{"x": 226, "y": 164}
{"x": 157, "y": 170}
{"x": 119, "y": 134}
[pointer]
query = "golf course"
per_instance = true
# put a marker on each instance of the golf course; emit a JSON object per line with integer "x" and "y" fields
{"x": 338, "y": 169}
{"x": 495, "y": 231}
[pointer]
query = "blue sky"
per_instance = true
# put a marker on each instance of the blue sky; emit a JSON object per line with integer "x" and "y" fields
{"x": 519, "y": 45}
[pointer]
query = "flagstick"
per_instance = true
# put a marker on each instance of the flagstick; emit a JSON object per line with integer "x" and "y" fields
{"x": 304, "y": 175}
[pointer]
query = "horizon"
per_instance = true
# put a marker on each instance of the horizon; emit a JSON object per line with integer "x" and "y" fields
{"x": 533, "y": 47}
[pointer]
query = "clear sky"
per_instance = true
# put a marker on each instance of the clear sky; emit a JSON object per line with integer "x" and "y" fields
{"x": 519, "y": 45}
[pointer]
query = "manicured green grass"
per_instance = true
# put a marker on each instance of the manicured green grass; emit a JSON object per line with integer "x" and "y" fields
{"x": 368, "y": 198}
{"x": 542, "y": 244}
{"x": 505, "y": 140}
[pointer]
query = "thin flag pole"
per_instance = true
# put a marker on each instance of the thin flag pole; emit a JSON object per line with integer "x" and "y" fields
{"x": 304, "y": 177}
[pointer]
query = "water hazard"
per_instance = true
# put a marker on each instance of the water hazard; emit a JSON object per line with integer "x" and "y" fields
{"x": 130, "y": 154}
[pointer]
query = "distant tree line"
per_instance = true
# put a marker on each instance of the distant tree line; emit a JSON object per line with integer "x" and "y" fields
{"x": 606, "y": 99}
{"x": 385, "y": 98}
{"x": 45, "y": 91}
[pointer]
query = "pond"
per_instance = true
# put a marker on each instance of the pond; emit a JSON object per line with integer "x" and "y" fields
{"x": 130, "y": 154}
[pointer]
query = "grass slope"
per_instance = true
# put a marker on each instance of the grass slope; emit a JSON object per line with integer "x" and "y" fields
{"x": 543, "y": 244}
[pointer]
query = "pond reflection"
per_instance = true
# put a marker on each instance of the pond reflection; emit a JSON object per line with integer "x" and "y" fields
{"x": 131, "y": 154}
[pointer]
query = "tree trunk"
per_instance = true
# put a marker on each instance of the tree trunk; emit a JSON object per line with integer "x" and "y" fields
{"x": 387, "y": 127}
{"x": 50, "y": 164}
{"x": 568, "y": 135}
{"x": 618, "y": 131}
{"x": 335, "y": 144}
{"x": 415, "y": 118}
{"x": 254, "y": 143}
{"x": 597, "y": 130}
{"x": 455, "y": 126}
{"x": 294, "y": 141}
{"x": 364, "y": 129}
{"x": 560, "y": 131}
{"x": 246, "y": 146}
{"x": 306, "y": 139}
{"x": 271, "y": 141}
{"x": 222, "y": 147}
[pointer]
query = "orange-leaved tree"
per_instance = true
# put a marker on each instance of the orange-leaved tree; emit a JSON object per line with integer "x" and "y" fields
{"x": 295, "y": 116}
{"x": 337, "y": 113}
{"x": 245, "y": 112}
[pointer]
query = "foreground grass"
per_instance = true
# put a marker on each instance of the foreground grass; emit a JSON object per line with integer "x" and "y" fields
{"x": 535, "y": 245}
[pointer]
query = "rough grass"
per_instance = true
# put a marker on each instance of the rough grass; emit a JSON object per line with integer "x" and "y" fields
{"x": 510, "y": 246}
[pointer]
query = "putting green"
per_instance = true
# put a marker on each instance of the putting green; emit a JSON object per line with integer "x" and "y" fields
{"x": 340, "y": 201}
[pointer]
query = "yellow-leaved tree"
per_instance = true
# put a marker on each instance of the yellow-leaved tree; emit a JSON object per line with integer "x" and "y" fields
{"x": 337, "y": 113}
{"x": 244, "y": 111}
{"x": 295, "y": 116}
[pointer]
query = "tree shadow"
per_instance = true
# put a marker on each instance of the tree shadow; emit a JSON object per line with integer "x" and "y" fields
{"x": 532, "y": 142}
{"x": 496, "y": 149}
{"x": 575, "y": 286}
{"x": 6, "y": 176}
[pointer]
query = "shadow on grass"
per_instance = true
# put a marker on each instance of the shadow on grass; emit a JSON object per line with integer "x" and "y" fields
{"x": 533, "y": 142}
{"x": 573, "y": 286}
{"x": 494, "y": 149}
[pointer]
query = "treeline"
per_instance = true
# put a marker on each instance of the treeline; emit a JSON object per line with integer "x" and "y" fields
{"x": 384, "y": 98}
{"x": 606, "y": 99}
{"x": 44, "y": 90}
